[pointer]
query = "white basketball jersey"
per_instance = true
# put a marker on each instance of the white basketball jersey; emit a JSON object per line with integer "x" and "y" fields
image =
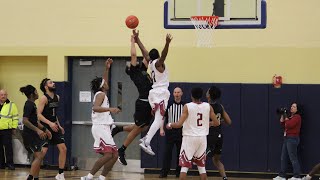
{"x": 160, "y": 80}
{"x": 197, "y": 123}
{"x": 102, "y": 117}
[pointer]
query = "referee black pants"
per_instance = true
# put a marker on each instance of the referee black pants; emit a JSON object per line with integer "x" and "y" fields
{"x": 173, "y": 137}
{"x": 6, "y": 151}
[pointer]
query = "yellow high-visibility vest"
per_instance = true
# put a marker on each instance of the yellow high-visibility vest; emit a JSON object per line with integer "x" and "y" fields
{"x": 9, "y": 116}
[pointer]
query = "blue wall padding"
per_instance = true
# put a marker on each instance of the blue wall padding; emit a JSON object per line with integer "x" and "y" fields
{"x": 253, "y": 142}
{"x": 310, "y": 132}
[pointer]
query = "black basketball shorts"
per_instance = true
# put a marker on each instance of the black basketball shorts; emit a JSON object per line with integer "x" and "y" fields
{"x": 32, "y": 142}
{"x": 142, "y": 115}
{"x": 214, "y": 144}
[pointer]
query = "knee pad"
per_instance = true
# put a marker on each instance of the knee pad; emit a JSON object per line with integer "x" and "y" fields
{"x": 184, "y": 169}
{"x": 202, "y": 170}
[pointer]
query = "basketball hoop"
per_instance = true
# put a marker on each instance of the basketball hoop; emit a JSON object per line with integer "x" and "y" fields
{"x": 204, "y": 26}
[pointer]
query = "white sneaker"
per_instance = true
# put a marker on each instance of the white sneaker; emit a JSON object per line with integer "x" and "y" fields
{"x": 279, "y": 178}
{"x": 142, "y": 139}
{"x": 146, "y": 148}
{"x": 85, "y": 178}
{"x": 294, "y": 178}
{"x": 307, "y": 177}
{"x": 60, "y": 176}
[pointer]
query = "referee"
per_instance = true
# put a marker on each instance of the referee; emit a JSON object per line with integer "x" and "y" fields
{"x": 173, "y": 136}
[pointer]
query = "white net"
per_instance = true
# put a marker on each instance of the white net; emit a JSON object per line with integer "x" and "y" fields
{"x": 205, "y": 26}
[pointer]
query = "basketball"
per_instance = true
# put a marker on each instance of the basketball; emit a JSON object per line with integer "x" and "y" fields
{"x": 132, "y": 22}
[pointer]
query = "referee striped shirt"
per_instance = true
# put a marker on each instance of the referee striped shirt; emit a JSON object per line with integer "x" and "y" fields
{"x": 174, "y": 111}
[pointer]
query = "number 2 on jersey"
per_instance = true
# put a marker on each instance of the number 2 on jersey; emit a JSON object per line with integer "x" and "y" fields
{"x": 199, "y": 119}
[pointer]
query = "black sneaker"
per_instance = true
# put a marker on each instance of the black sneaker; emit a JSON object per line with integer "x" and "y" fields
{"x": 11, "y": 167}
{"x": 122, "y": 158}
{"x": 177, "y": 175}
{"x": 225, "y": 178}
{"x": 163, "y": 175}
{"x": 115, "y": 131}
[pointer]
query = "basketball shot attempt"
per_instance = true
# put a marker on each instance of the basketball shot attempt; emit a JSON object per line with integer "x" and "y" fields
{"x": 159, "y": 94}
{"x": 195, "y": 119}
{"x": 132, "y": 22}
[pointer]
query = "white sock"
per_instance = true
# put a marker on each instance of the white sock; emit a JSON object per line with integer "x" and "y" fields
{"x": 102, "y": 177}
{"x": 90, "y": 176}
{"x": 154, "y": 127}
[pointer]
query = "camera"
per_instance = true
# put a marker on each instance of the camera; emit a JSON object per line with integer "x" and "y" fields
{"x": 282, "y": 111}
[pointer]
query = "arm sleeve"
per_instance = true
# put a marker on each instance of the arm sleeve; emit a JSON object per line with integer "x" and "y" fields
{"x": 166, "y": 116}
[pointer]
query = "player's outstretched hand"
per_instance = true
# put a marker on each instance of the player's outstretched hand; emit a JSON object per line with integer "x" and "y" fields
{"x": 108, "y": 62}
{"x": 114, "y": 110}
{"x": 135, "y": 34}
{"x": 169, "y": 38}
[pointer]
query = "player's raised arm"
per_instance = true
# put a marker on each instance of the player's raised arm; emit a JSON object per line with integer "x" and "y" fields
{"x": 165, "y": 50}
{"x": 182, "y": 118}
{"x": 133, "y": 52}
{"x": 105, "y": 75}
{"x": 215, "y": 122}
{"x": 144, "y": 51}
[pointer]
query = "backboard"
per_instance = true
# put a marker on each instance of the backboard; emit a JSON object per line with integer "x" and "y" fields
{"x": 233, "y": 14}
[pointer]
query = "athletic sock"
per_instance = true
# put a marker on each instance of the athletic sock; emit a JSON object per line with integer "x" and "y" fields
{"x": 123, "y": 148}
{"x": 60, "y": 171}
{"x": 30, "y": 177}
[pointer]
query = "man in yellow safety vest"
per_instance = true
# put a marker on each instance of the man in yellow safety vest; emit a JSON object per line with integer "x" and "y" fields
{"x": 8, "y": 123}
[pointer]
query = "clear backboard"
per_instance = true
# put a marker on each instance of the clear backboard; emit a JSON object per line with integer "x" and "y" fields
{"x": 233, "y": 14}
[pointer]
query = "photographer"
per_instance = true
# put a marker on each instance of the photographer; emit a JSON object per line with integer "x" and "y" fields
{"x": 291, "y": 124}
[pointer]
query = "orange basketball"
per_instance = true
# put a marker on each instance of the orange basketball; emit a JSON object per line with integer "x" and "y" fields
{"x": 132, "y": 22}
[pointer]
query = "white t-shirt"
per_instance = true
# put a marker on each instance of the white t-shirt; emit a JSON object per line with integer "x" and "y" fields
{"x": 160, "y": 80}
{"x": 102, "y": 117}
{"x": 197, "y": 122}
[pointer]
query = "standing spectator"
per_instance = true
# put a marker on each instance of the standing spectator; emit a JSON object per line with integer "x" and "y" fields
{"x": 8, "y": 123}
{"x": 292, "y": 125}
{"x": 173, "y": 136}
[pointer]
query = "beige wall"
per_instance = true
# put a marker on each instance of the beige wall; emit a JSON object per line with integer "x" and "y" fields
{"x": 16, "y": 72}
{"x": 57, "y": 29}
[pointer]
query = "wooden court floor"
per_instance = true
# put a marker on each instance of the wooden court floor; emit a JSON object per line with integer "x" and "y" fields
{"x": 21, "y": 174}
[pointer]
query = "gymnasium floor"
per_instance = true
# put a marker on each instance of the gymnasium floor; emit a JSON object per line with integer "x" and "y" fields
{"x": 21, "y": 174}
